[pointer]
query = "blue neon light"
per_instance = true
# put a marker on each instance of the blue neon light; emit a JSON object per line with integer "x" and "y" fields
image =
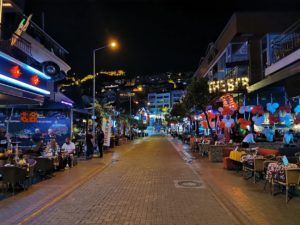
{"x": 23, "y": 65}
{"x": 24, "y": 85}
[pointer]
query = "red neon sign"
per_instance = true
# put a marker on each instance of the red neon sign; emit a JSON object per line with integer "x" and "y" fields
{"x": 35, "y": 80}
{"x": 16, "y": 71}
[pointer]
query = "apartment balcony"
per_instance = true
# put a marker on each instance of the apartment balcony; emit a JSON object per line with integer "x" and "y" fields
{"x": 21, "y": 50}
{"x": 286, "y": 49}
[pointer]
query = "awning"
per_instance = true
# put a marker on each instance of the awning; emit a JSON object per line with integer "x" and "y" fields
{"x": 15, "y": 96}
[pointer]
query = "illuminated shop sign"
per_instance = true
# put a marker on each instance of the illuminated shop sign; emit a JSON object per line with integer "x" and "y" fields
{"x": 229, "y": 85}
{"x": 15, "y": 73}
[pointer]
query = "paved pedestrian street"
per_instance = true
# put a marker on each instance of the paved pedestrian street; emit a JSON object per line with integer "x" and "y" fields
{"x": 155, "y": 181}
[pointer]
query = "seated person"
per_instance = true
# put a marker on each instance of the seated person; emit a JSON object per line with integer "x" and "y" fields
{"x": 69, "y": 148}
{"x": 248, "y": 139}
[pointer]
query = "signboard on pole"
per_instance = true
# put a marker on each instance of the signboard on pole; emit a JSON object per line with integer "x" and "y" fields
{"x": 106, "y": 127}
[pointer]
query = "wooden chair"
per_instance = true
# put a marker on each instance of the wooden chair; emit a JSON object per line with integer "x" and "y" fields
{"x": 266, "y": 164}
{"x": 292, "y": 179}
{"x": 258, "y": 168}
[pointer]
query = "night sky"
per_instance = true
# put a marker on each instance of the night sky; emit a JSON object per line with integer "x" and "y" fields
{"x": 155, "y": 36}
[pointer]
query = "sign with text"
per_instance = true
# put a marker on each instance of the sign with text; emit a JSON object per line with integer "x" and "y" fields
{"x": 229, "y": 85}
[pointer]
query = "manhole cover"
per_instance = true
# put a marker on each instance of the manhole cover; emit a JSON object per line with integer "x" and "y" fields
{"x": 188, "y": 184}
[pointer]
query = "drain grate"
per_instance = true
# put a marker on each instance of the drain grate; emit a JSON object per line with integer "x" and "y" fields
{"x": 189, "y": 184}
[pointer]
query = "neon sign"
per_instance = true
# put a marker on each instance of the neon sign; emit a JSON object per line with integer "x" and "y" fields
{"x": 18, "y": 74}
{"x": 229, "y": 85}
{"x": 16, "y": 71}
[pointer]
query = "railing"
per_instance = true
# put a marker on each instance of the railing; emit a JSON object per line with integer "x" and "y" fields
{"x": 15, "y": 52}
{"x": 287, "y": 42}
{"x": 21, "y": 43}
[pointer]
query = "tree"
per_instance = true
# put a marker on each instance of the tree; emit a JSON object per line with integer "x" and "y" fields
{"x": 178, "y": 112}
{"x": 198, "y": 97}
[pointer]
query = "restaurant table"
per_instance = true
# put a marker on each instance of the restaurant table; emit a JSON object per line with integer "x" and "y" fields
{"x": 236, "y": 155}
{"x": 276, "y": 171}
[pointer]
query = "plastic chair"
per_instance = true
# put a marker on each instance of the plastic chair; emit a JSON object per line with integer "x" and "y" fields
{"x": 13, "y": 175}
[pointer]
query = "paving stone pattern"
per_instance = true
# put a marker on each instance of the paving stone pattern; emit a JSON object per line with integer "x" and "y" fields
{"x": 139, "y": 188}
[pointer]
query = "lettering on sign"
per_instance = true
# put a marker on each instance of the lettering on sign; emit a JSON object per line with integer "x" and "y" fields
{"x": 229, "y": 85}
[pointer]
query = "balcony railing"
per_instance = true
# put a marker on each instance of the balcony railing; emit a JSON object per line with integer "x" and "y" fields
{"x": 287, "y": 43}
{"x": 21, "y": 43}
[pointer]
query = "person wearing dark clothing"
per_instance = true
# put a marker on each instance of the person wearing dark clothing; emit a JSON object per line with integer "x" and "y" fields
{"x": 100, "y": 141}
{"x": 3, "y": 140}
{"x": 89, "y": 145}
{"x": 37, "y": 140}
{"x": 215, "y": 138}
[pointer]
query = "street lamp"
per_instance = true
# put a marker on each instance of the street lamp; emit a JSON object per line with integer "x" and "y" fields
{"x": 113, "y": 44}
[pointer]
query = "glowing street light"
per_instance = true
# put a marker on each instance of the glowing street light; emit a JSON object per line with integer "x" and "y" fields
{"x": 112, "y": 45}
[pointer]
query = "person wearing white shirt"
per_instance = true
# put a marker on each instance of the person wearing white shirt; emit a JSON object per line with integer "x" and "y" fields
{"x": 248, "y": 139}
{"x": 69, "y": 148}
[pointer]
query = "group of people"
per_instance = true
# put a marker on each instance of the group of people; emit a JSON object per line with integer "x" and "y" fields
{"x": 68, "y": 148}
{"x": 94, "y": 142}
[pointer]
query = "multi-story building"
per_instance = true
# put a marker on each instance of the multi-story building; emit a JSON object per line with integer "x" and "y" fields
{"x": 159, "y": 102}
{"x": 258, "y": 59}
{"x": 176, "y": 96}
{"x": 28, "y": 48}
{"x": 31, "y": 62}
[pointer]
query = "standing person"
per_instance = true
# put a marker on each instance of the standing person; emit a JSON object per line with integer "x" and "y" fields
{"x": 100, "y": 141}
{"x": 89, "y": 140}
{"x": 248, "y": 139}
{"x": 37, "y": 139}
{"x": 69, "y": 148}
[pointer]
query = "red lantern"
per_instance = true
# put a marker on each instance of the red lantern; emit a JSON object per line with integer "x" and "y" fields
{"x": 16, "y": 71}
{"x": 35, "y": 80}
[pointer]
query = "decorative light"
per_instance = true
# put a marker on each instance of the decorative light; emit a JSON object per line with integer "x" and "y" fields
{"x": 16, "y": 71}
{"x": 25, "y": 66}
{"x": 66, "y": 103}
{"x": 22, "y": 84}
{"x": 228, "y": 85}
{"x": 35, "y": 80}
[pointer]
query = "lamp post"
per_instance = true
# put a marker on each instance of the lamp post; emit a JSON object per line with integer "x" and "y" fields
{"x": 112, "y": 45}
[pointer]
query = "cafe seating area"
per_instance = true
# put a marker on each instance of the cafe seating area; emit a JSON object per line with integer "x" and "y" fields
{"x": 257, "y": 163}
{"x": 19, "y": 172}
